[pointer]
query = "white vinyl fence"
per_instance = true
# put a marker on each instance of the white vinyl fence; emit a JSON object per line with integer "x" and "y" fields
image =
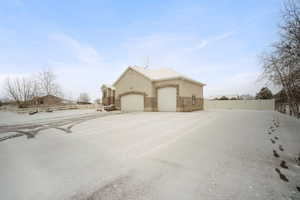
{"x": 240, "y": 104}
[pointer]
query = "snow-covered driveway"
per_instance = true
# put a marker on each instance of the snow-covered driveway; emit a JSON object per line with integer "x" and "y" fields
{"x": 199, "y": 155}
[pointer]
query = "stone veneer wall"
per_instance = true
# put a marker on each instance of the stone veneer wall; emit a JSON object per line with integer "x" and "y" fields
{"x": 185, "y": 104}
{"x": 106, "y": 101}
{"x": 150, "y": 104}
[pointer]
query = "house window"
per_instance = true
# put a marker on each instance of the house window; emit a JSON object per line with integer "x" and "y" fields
{"x": 193, "y": 100}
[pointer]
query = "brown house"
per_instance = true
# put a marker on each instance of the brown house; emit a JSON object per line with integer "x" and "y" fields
{"x": 142, "y": 89}
{"x": 48, "y": 100}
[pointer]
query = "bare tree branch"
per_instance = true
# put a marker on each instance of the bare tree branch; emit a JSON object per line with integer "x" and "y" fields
{"x": 282, "y": 64}
{"x": 48, "y": 84}
{"x": 21, "y": 90}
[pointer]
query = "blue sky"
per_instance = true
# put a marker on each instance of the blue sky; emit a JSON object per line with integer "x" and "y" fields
{"x": 91, "y": 42}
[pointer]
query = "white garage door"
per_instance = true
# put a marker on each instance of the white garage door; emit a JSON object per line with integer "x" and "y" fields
{"x": 132, "y": 102}
{"x": 166, "y": 99}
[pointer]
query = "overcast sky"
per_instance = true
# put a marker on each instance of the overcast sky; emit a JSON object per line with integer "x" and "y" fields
{"x": 91, "y": 42}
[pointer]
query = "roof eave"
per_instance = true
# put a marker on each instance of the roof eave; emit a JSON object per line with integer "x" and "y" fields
{"x": 182, "y": 78}
{"x": 130, "y": 68}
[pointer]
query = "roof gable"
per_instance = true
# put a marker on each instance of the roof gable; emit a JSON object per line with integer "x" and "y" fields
{"x": 157, "y": 74}
{"x": 126, "y": 71}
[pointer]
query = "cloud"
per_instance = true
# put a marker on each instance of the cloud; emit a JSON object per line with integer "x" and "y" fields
{"x": 240, "y": 83}
{"x": 80, "y": 67}
{"x": 201, "y": 45}
{"x": 172, "y": 50}
{"x": 19, "y": 3}
{"x": 223, "y": 36}
{"x": 219, "y": 66}
{"x": 209, "y": 41}
{"x": 85, "y": 53}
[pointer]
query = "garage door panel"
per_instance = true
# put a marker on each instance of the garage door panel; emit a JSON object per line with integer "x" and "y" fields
{"x": 132, "y": 102}
{"x": 167, "y": 99}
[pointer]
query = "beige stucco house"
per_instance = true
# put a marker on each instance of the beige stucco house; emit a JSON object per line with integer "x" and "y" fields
{"x": 108, "y": 95}
{"x": 144, "y": 89}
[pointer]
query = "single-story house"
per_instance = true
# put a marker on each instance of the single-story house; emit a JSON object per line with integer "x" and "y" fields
{"x": 48, "y": 100}
{"x": 144, "y": 89}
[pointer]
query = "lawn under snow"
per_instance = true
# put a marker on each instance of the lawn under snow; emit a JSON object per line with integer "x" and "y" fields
{"x": 212, "y": 154}
{"x": 10, "y": 118}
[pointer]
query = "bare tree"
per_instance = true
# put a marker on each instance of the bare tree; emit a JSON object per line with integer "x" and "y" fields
{"x": 48, "y": 84}
{"x": 21, "y": 90}
{"x": 84, "y": 98}
{"x": 282, "y": 64}
{"x": 264, "y": 93}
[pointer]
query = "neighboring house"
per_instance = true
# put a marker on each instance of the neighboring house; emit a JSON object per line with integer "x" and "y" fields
{"x": 281, "y": 103}
{"x": 229, "y": 96}
{"x": 246, "y": 97}
{"x": 108, "y": 95}
{"x": 49, "y": 100}
{"x": 142, "y": 89}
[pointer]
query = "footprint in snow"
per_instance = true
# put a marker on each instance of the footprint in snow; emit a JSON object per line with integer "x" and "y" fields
{"x": 275, "y": 154}
{"x": 281, "y": 148}
{"x": 273, "y": 141}
{"x": 276, "y": 138}
{"x": 298, "y": 160}
{"x": 283, "y": 165}
{"x": 281, "y": 175}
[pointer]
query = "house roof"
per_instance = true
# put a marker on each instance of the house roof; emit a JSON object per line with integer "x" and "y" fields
{"x": 52, "y": 96}
{"x": 46, "y": 96}
{"x": 159, "y": 74}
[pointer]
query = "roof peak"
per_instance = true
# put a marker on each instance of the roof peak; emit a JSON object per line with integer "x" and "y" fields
{"x": 148, "y": 68}
{"x": 164, "y": 73}
{"x": 158, "y": 74}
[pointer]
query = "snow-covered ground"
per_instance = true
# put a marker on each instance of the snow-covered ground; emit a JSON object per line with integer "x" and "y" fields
{"x": 221, "y": 154}
{"x": 9, "y": 118}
